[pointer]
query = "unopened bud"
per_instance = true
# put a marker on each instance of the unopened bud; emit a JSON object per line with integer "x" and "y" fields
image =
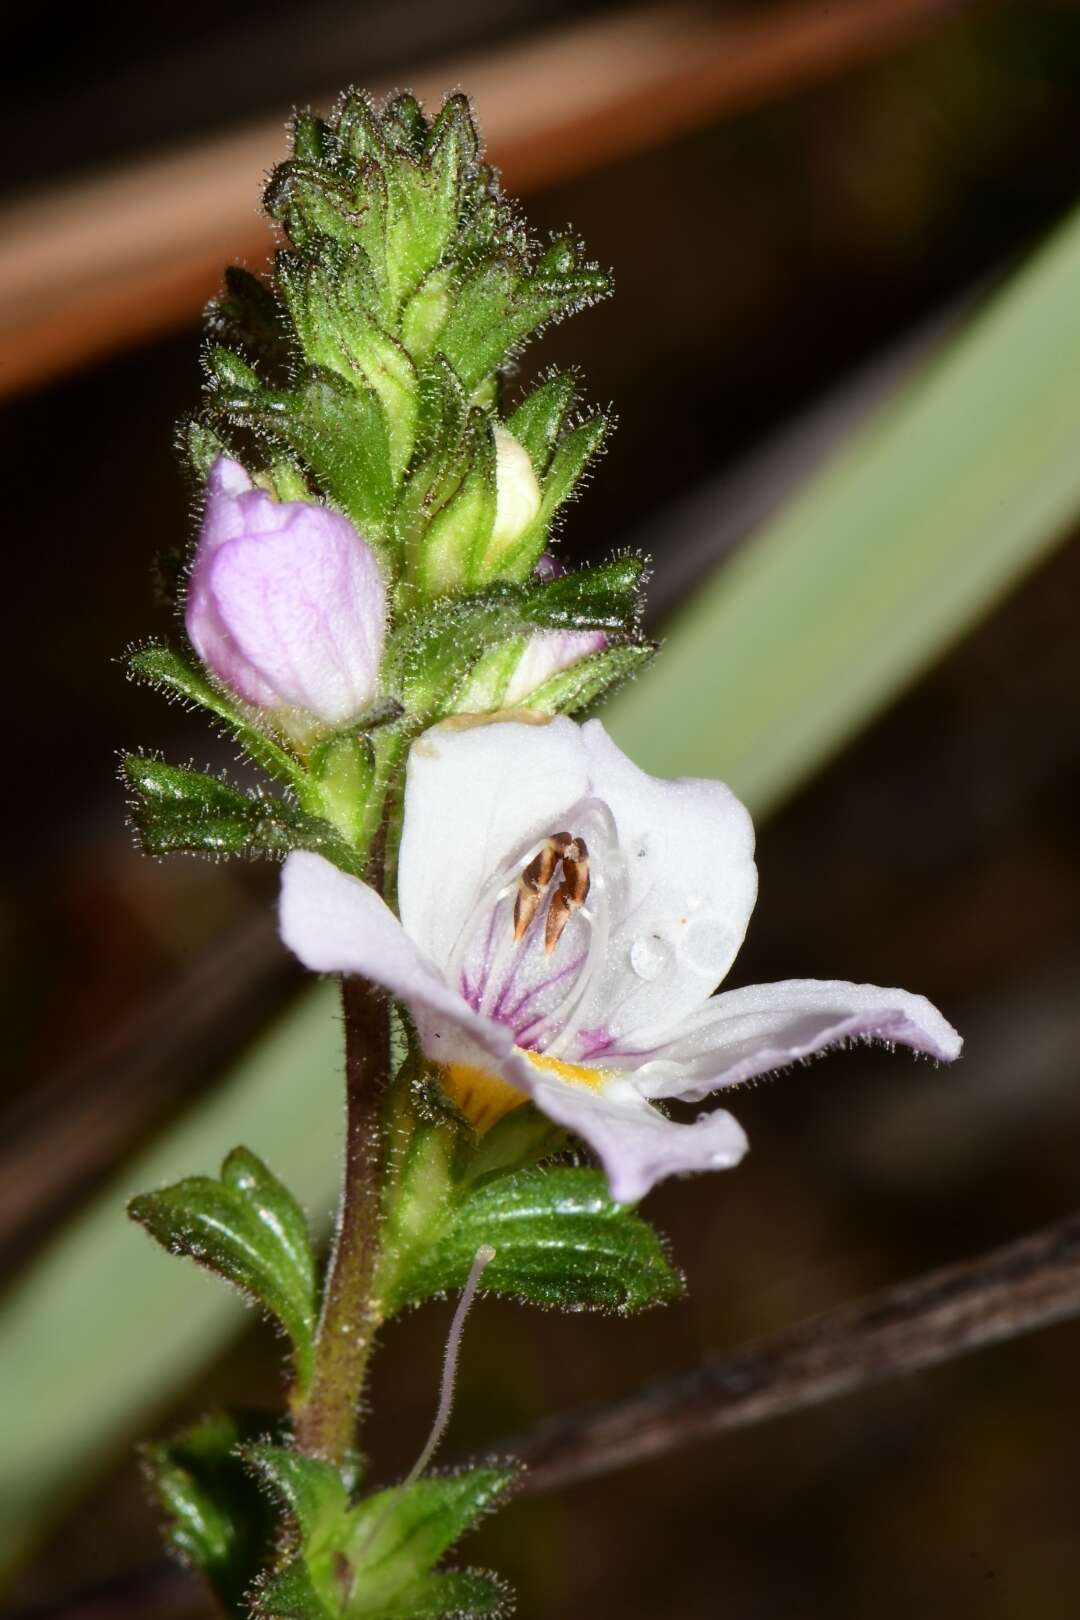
{"x": 286, "y": 605}
{"x": 517, "y": 497}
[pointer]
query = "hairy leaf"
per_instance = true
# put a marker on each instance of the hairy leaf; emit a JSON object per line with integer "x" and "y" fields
{"x": 166, "y": 670}
{"x": 216, "y": 1518}
{"x": 559, "y": 1240}
{"x": 248, "y": 1228}
{"x": 176, "y": 809}
{"x": 375, "y": 1561}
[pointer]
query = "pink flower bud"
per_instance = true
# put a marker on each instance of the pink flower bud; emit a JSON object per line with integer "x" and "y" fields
{"x": 286, "y": 605}
{"x": 548, "y": 653}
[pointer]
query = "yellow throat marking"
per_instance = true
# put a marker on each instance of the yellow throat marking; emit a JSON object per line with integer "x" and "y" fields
{"x": 484, "y": 1098}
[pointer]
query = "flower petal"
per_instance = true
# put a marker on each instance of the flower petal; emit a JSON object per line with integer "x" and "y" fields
{"x": 692, "y": 883}
{"x": 548, "y": 653}
{"x": 473, "y": 795}
{"x": 634, "y": 1142}
{"x": 336, "y": 924}
{"x": 747, "y": 1032}
{"x": 285, "y": 604}
{"x": 305, "y": 608}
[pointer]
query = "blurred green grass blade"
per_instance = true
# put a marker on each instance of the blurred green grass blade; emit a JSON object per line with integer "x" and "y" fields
{"x": 904, "y": 541}
{"x": 105, "y": 1327}
{"x": 907, "y": 538}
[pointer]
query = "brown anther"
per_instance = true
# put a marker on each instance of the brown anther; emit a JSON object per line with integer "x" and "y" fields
{"x": 535, "y": 879}
{"x": 572, "y": 892}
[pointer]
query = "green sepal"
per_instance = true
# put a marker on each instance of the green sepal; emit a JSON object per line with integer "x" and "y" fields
{"x": 575, "y": 450}
{"x": 343, "y": 770}
{"x": 424, "y": 315}
{"x": 424, "y": 198}
{"x": 248, "y": 316}
{"x": 316, "y": 206}
{"x": 433, "y": 654}
{"x": 591, "y": 678}
{"x": 247, "y": 1227}
{"x": 161, "y": 667}
{"x": 559, "y": 1240}
{"x": 202, "y": 446}
{"x": 291, "y": 1594}
{"x": 329, "y": 308}
{"x": 374, "y": 1561}
{"x": 499, "y": 305}
{"x": 310, "y": 136}
{"x": 217, "y": 1520}
{"x": 458, "y": 533}
{"x": 404, "y": 124}
{"x": 312, "y": 1491}
{"x": 337, "y": 428}
{"x": 538, "y": 420}
{"x": 573, "y": 454}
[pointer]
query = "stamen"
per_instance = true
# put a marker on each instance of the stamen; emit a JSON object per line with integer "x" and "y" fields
{"x": 571, "y": 893}
{"x": 535, "y": 879}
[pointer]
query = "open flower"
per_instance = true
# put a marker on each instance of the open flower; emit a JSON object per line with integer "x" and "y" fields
{"x": 564, "y": 921}
{"x": 286, "y": 604}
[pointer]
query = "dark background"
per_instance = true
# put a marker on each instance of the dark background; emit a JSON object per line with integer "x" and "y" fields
{"x": 760, "y": 259}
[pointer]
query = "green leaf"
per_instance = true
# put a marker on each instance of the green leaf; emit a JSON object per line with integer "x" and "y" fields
{"x": 339, "y": 429}
{"x": 396, "y": 1536}
{"x": 249, "y": 316}
{"x": 250, "y": 1230}
{"x": 179, "y": 810}
{"x": 291, "y": 1594}
{"x": 558, "y": 1239}
{"x": 216, "y": 1518}
{"x": 336, "y": 331}
{"x": 162, "y": 668}
{"x": 460, "y": 1593}
{"x": 374, "y": 1561}
{"x": 311, "y": 1490}
{"x": 602, "y": 598}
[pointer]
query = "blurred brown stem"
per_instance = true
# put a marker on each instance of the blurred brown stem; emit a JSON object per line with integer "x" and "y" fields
{"x": 916, "y": 1324}
{"x": 326, "y": 1421}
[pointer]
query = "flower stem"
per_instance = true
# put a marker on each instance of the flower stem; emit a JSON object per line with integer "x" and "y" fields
{"x": 326, "y": 1423}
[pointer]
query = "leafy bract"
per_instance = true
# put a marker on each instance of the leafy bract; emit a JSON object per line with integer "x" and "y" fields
{"x": 247, "y": 1227}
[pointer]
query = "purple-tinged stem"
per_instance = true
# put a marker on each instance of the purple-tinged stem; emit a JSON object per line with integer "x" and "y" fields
{"x": 326, "y": 1423}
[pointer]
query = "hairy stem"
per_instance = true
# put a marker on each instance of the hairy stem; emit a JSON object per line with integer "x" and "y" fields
{"x": 327, "y": 1421}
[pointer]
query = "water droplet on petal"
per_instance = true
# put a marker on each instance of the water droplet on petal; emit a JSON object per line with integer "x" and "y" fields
{"x": 649, "y": 956}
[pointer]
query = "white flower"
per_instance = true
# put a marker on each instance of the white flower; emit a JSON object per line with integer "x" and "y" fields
{"x": 564, "y": 921}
